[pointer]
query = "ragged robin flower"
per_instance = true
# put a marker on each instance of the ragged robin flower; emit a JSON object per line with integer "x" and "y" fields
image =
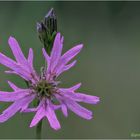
{"x": 44, "y": 87}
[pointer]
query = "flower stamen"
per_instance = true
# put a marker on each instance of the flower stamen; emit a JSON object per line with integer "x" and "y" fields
{"x": 44, "y": 89}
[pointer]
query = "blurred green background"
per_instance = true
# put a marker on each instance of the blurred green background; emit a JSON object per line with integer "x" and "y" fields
{"x": 108, "y": 66}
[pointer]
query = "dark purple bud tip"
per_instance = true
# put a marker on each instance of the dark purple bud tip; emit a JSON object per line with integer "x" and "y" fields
{"x": 51, "y": 14}
{"x": 40, "y": 27}
{"x": 51, "y": 21}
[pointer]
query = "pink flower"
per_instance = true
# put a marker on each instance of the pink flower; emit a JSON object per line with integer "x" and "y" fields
{"x": 45, "y": 87}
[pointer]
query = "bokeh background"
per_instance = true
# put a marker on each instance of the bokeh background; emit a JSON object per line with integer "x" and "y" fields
{"x": 108, "y": 66}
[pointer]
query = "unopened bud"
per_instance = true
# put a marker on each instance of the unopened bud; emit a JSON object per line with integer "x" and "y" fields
{"x": 41, "y": 29}
{"x": 51, "y": 21}
{"x": 47, "y": 30}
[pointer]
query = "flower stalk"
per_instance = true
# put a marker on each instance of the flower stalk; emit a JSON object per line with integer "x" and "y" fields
{"x": 47, "y": 30}
{"x": 39, "y": 130}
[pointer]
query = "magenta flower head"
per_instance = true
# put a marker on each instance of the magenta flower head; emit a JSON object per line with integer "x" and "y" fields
{"x": 45, "y": 88}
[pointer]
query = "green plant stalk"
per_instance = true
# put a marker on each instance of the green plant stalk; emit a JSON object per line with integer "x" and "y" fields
{"x": 39, "y": 130}
{"x": 47, "y": 32}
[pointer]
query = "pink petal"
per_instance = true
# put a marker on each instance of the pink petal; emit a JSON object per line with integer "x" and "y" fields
{"x": 30, "y": 57}
{"x": 56, "y": 51}
{"x": 64, "y": 109}
{"x": 13, "y": 86}
{"x": 38, "y": 116}
{"x": 17, "y": 68}
{"x": 46, "y": 57}
{"x": 72, "y": 89}
{"x": 13, "y": 96}
{"x": 67, "y": 67}
{"x": 50, "y": 114}
{"x": 80, "y": 97}
{"x": 69, "y": 55}
{"x": 16, "y": 50}
{"x": 9, "y": 112}
{"x": 41, "y": 104}
{"x": 30, "y": 99}
{"x": 19, "y": 74}
{"x": 63, "y": 106}
{"x": 77, "y": 109}
{"x": 6, "y": 61}
{"x": 27, "y": 110}
{"x": 16, "y": 106}
{"x": 20, "y": 58}
{"x": 55, "y": 107}
{"x": 22, "y": 68}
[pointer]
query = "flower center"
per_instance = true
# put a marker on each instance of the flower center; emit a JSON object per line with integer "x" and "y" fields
{"x": 45, "y": 89}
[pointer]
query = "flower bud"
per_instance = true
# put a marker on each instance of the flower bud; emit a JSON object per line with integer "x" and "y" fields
{"x": 47, "y": 30}
{"x": 51, "y": 22}
{"x": 41, "y": 29}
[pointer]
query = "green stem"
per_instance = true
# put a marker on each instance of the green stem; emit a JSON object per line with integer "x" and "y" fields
{"x": 47, "y": 38}
{"x": 39, "y": 125}
{"x": 38, "y": 130}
